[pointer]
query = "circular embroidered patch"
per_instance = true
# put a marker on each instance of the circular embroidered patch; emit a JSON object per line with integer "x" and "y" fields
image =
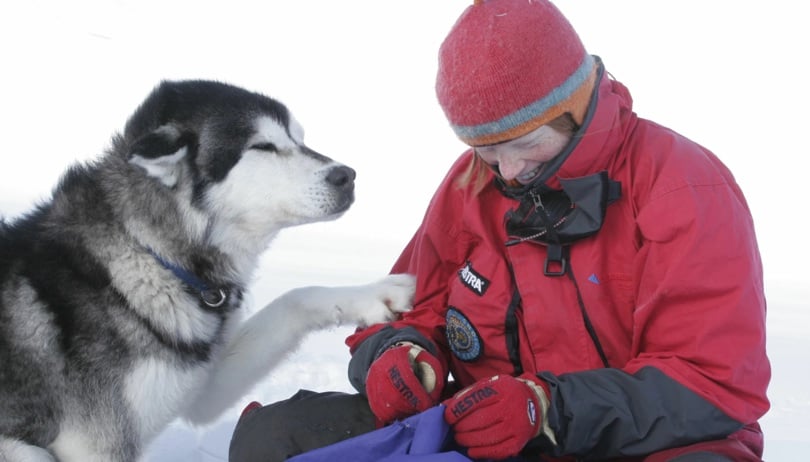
{"x": 464, "y": 340}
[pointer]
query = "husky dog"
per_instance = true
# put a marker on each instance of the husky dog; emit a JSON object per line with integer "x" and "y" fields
{"x": 119, "y": 295}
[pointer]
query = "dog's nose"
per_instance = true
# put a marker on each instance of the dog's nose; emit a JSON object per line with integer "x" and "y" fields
{"x": 341, "y": 176}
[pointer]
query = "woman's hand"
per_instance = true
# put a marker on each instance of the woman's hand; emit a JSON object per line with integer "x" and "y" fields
{"x": 403, "y": 381}
{"x": 495, "y": 418}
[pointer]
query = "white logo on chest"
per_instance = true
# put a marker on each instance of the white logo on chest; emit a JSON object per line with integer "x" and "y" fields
{"x": 473, "y": 280}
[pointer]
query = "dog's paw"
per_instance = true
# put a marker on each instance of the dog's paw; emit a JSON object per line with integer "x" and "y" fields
{"x": 396, "y": 292}
{"x": 378, "y": 302}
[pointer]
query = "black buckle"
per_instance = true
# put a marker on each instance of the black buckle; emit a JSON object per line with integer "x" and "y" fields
{"x": 558, "y": 256}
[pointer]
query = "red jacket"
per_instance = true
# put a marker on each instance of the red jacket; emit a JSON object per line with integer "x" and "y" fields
{"x": 671, "y": 284}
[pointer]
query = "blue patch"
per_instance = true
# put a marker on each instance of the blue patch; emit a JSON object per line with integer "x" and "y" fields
{"x": 594, "y": 279}
{"x": 464, "y": 340}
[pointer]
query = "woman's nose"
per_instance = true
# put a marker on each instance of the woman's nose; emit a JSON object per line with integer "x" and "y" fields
{"x": 510, "y": 168}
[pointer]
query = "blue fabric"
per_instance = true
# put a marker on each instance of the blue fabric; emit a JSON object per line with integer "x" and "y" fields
{"x": 424, "y": 437}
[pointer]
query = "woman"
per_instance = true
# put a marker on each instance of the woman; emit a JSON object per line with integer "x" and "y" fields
{"x": 589, "y": 280}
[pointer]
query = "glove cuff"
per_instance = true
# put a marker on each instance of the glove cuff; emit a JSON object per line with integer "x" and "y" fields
{"x": 540, "y": 389}
{"x": 428, "y": 376}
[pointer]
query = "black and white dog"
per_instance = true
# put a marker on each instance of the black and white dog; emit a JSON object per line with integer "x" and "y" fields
{"x": 118, "y": 296}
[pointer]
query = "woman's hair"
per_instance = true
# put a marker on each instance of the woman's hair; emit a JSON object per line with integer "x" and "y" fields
{"x": 476, "y": 174}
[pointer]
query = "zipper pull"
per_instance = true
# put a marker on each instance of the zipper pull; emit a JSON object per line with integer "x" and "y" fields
{"x": 538, "y": 203}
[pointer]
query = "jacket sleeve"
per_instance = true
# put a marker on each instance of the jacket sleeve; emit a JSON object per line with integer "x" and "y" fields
{"x": 606, "y": 413}
{"x": 699, "y": 369}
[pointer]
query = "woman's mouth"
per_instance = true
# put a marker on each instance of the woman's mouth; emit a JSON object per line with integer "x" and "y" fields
{"x": 530, "y": 176}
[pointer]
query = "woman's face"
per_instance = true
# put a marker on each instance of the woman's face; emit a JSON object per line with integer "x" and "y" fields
{"x": 522, "y": 159}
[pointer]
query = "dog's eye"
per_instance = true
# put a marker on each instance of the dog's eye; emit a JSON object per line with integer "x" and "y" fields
{"x": 270, "y": 147}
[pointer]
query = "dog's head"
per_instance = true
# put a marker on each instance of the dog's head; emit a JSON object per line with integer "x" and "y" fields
{"x": 239, "y": 157}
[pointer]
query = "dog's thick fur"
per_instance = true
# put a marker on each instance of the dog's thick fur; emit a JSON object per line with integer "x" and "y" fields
{"x": 118, "y": 296}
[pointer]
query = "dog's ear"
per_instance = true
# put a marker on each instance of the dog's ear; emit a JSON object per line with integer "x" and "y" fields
{"x": 160, "y": 153}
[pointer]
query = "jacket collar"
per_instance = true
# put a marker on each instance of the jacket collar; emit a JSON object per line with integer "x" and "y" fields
{"x": 608, "y": 120}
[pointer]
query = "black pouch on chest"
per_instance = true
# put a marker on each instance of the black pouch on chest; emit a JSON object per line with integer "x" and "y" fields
{"x": 558, "y": 218}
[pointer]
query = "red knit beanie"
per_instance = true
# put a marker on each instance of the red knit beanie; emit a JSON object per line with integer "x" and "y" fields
{"x": 509, "y": 66}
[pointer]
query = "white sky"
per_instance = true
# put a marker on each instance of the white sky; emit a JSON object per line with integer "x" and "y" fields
{"x": 359, "y": 76}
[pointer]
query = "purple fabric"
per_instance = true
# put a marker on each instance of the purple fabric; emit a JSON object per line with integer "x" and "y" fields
{"x": 424, "y": 437}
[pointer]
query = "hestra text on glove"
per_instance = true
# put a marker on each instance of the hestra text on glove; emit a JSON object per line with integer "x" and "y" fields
{"x": 495, "y": 418}
{"x": 403, "y": 381}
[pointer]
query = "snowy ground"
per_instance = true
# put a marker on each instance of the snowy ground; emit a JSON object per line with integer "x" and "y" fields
{"x": 320, "y": 363}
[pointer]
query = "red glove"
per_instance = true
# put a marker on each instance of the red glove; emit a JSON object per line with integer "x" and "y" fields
{"x": 403, "y": 381}
{"x": 495, "y": 418}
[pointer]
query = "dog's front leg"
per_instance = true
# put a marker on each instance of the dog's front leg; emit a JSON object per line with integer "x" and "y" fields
{"x": 267, "y": 337}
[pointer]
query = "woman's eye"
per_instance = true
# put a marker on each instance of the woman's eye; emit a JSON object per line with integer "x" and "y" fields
{"x": 270, "y": 147}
